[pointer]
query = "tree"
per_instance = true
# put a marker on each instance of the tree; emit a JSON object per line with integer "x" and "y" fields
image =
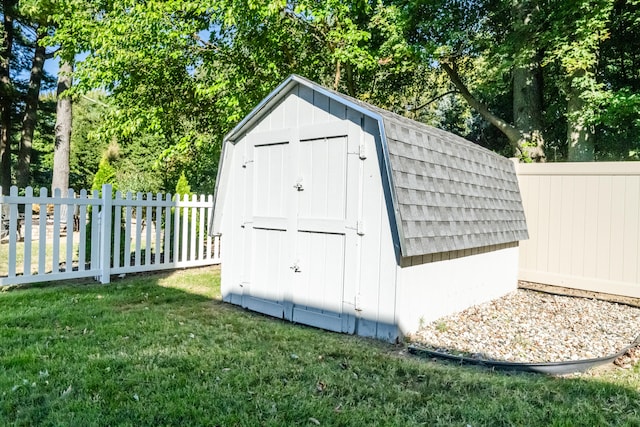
{"x": 463, "y": 38}
{"x": 7, "y": 93}
{"x": 30, "y": 112}
{"x": 62, "y": 144}
{"x": 25, "y": 25}
{"x": 87, "y": 141}
{"x": 219, "y": 59}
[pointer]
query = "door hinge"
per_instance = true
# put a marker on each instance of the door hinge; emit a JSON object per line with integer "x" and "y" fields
{"x": 298, "y": 185}
{"x": 358, "y": 302}
{"x": 362, "y": 151}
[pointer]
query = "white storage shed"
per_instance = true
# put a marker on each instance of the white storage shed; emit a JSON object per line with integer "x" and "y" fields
{"x": 338, "y": 214}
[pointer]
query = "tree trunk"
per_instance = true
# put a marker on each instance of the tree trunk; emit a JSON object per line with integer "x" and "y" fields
{"x": 30, "y": 115}
{"x": 351, "y": 87}
{"x": 6, "y": 95}
{"x": 527, "y": 81}
{"x": 62, "y": 130}
{"x": 580, "y": 136}
{"x": 513, "y": 135}
{"x": 527, "y": 108}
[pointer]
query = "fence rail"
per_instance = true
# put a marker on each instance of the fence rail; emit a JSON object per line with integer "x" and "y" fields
{"x": 101, "y": 234}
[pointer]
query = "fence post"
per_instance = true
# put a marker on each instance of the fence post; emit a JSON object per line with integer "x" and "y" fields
{"x": 105, "y": 234}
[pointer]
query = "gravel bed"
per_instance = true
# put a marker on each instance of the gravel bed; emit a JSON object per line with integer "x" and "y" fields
{"x": 530, "y": 326}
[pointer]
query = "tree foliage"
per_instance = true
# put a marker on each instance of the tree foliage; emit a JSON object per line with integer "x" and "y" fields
{"x": 540, "y": 80}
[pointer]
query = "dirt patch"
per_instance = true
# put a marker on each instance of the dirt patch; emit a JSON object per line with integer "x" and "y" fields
{"x": 560, "y": 290}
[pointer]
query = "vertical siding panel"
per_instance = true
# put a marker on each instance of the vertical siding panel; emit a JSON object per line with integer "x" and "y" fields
{"x": 372, "y": 266}
{"x": 533, "y": 220}
{"x": 319, "y": 176}
{"x": 337, "y": 109}
{"x": 631, "y": 238}
{"x": 321, "y": 112}
{"x": 565, "y": 220}
{"x": 246, "y": 206}
{"x": 590, "y": 213}
{"x": 618, "y": 213}
{"x": 542, "y": 250}
{"x": 603, "y": 231}
{"x": 291, "y": 112}
{"x": 387, "y": 270}
{"x": 233, "y": 259}
{"x": 578, "y": 225}
{"x": 305, "y": 105}
{"x": 277, "y": 116}
{"x": 555, "y": 222}
{"x": 524, "y": 182}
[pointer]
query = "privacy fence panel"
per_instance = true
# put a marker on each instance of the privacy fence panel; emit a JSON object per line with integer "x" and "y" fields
{"x": 46, "y": 238}
{"x": 584, "y": 225}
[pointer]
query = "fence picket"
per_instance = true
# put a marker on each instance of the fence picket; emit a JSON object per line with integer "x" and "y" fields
{"x": 210, "y": 253}
{"x": 201, "y": 240}
{"x": 158, "y": 224}
{"x": 138, "y": 230}
{"x": 95, "y": 230}
{"x": 28, "y": 218}
{"x": 117, "y": 219}
{"x": 42, "y": 236}
{"x": 68, "y": 266}
{"x": 105, "y": 233}
{"x": 167, "y": 231}
{"x": 176, "y": 231}
{"x": 193, "y": 238}
{"x": 82, "y": 244}
{"x": 56, "y": 232}
{"x": 13, "y": 233}
{"x": 185, "y": 229}
{"x": 148, "y": 224}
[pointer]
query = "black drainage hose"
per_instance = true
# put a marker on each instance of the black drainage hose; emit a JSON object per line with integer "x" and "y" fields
{"x": 549, "y": 368}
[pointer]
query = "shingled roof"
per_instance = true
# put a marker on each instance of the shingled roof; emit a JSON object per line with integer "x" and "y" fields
{"x": 448, "y": 193}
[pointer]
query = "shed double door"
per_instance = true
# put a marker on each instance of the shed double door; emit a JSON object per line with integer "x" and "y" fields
{"x": 304, "y": 229}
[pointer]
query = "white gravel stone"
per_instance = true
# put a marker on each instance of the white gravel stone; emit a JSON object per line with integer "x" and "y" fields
{"x": 530, "y": 326}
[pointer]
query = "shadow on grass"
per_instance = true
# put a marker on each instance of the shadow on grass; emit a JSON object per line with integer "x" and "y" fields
{"x": 161, "y": 349}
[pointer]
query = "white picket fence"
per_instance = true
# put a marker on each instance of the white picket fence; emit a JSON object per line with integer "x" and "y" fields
{"x": 44, "y": 238}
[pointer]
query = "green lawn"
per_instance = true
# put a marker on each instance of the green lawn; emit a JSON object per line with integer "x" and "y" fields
{"x": 162, "y": 349}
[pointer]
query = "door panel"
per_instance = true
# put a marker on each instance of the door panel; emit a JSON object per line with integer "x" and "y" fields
{"x": 269, "y": 277}
{"x": 318, "y": 285}
{"x": 270, "y": 180}
{"x": 323, "y": 174}
{"x": 266, "y": 288}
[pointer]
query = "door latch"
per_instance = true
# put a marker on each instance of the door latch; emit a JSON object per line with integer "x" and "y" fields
{"x": 298, "y": 185}
{"x": 295, "y": 267}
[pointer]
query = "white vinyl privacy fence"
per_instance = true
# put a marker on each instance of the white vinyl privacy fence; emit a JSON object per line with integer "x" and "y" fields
{"x": 46, "y": 238}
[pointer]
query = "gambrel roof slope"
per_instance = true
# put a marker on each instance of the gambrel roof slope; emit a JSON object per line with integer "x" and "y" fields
{"x": 448, "y": 193}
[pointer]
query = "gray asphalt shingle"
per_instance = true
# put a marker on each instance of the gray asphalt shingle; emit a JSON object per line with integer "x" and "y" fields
{"x": 451, "y": 194}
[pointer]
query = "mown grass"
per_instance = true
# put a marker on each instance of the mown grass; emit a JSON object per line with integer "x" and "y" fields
{"x": 163, "y": 350}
